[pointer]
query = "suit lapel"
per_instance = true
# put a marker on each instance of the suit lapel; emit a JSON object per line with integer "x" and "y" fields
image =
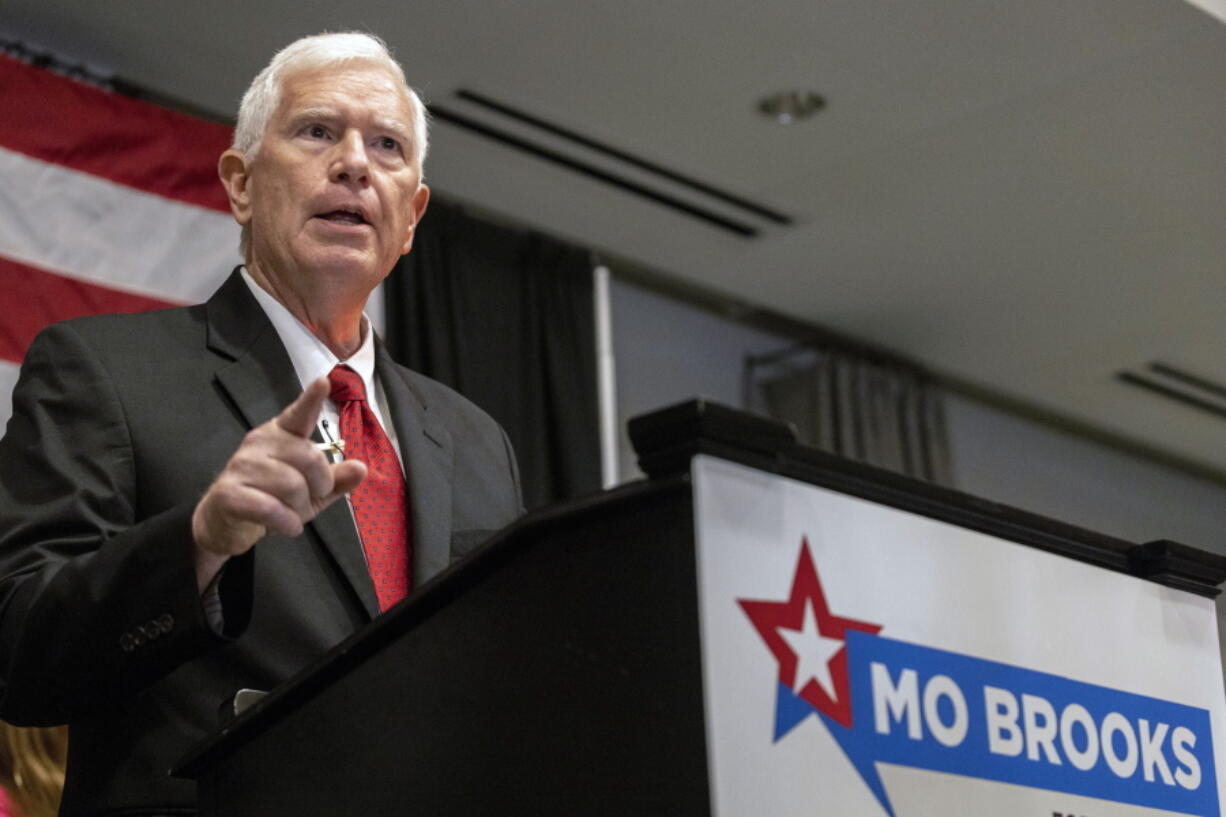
{"x": 260, "y": 381}
{"x": 425, "y": 447}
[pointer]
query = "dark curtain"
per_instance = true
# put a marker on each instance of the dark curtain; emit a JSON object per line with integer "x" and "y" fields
{"x": 505, "y": 317}
{"x": 882, "y": 414}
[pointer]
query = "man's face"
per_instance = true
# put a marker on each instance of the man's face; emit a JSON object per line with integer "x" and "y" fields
{"x": 334, "y": 197}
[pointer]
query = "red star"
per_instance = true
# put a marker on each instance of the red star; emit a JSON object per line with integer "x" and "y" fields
{"x": 769, "y": 616}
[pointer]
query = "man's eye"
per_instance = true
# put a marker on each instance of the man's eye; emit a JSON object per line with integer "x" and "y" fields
{"x": 388, "y": 143}
{"x": 317, "y": 131}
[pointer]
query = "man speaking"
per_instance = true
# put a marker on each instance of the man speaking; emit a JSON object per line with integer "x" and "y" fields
{"x": 174, "y": 525}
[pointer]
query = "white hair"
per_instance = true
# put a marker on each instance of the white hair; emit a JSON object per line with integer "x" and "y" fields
{"x": 321, "y": 50}
{"x": 318, "y": 51}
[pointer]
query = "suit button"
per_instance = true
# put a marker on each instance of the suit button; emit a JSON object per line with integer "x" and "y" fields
{"x": 151, "y": 630}
{"x": 166, "y": 622}
{"x": 138, "y": 638}
{"x": 127, "y": 643}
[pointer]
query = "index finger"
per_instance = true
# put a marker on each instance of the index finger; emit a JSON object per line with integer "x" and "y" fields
{"x": 299, "y": 417}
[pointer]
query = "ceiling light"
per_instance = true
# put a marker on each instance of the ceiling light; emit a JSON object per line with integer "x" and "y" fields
{"x": 786, "y": 107}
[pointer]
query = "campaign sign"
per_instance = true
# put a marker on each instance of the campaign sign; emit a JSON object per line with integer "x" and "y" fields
{"x": 863, "y": 660}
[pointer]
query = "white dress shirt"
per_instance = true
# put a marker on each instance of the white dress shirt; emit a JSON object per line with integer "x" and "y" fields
{"x": 312, "y": 359}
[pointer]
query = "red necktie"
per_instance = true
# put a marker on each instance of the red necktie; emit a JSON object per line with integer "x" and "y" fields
{"x": 379, "y": 503}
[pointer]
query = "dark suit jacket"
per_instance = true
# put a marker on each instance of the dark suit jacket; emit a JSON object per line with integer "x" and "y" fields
{"x": 119, "y": 425}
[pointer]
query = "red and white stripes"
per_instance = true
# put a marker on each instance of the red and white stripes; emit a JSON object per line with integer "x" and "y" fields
{"x": 107, "y": 204}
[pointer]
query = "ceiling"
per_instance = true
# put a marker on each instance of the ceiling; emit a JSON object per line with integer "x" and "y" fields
{"x": 1027, "y": 196}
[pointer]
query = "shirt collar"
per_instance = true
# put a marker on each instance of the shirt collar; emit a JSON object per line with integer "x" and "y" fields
{"x": 311, "y": 358}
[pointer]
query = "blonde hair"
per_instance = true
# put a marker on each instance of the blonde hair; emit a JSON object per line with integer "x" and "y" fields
{"x": 32, "y": 768}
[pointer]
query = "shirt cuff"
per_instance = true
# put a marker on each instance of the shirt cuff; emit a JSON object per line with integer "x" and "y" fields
{"x": 210, "y": 602}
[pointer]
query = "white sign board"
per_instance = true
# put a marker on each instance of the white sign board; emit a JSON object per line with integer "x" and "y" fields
{"x": 863, "y": 660}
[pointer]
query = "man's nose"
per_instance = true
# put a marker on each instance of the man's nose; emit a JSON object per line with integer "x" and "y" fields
{"x": 350, "y": 162}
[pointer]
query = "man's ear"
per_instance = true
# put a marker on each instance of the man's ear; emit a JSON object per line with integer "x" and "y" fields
{"x": 235, "y": 176}
{"x": 420, "y": 199}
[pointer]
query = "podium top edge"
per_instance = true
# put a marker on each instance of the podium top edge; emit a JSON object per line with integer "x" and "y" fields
{"x": 666, "y": 441}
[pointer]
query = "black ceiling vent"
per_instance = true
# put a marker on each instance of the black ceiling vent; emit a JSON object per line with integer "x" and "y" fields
{"x": 1175, "y": 384}
{"x": 697, "y": 205}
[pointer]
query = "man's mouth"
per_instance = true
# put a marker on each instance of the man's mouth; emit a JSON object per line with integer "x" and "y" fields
{"x": 343, "y": 217}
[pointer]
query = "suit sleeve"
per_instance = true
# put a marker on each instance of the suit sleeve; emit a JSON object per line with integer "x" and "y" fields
{"x": 95, "y": 603}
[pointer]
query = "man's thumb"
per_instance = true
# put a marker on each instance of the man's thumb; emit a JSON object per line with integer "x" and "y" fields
{"x": 346, "y": 476}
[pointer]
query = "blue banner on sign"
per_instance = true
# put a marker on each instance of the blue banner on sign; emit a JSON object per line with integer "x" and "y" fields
{"x": 931, "y": 709}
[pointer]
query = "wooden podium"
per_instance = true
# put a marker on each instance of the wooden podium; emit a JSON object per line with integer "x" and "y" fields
{"x": 560, "y": 670}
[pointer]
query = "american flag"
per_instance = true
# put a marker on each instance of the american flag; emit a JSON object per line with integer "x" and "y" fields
{"x": 107, "y": 204}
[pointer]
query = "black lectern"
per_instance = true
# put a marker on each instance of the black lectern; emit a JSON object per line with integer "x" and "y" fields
{"x": 558, "y": 671}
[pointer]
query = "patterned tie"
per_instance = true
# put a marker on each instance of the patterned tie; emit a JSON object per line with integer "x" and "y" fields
{"x": 379, "y": 503}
